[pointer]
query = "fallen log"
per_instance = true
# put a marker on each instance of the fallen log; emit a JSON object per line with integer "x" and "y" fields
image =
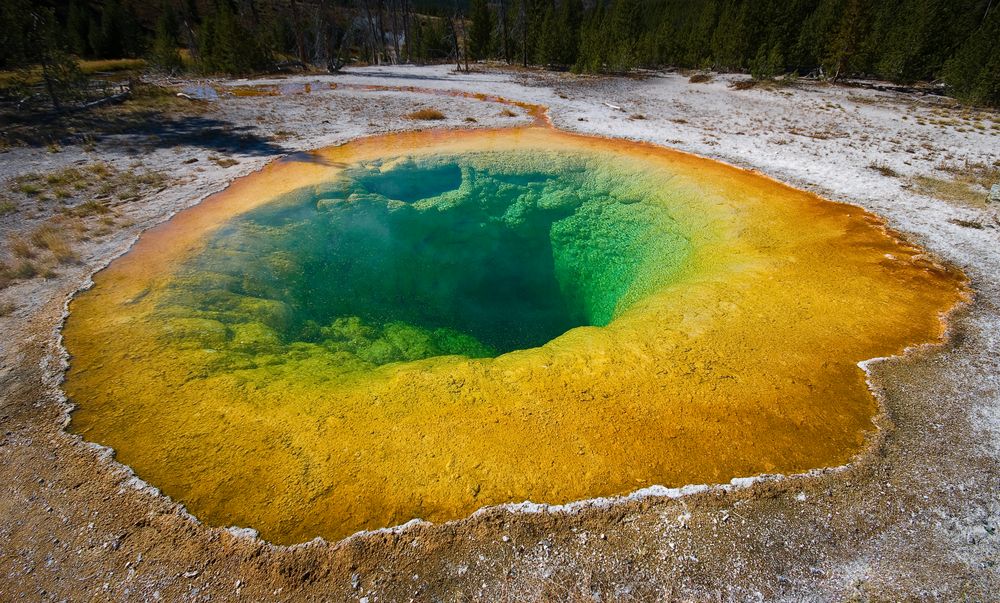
{"x": 107, "y": 100}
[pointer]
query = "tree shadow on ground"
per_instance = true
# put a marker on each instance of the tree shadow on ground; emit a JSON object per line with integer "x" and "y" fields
{"x": 140, "y": 127}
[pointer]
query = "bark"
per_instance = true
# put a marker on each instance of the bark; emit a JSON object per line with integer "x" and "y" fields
{"x": 504, "y": 40}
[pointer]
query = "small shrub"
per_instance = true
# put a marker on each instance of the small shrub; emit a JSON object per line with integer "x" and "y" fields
{"x": 426, "y": 115}
{"x": 700, "y": 78}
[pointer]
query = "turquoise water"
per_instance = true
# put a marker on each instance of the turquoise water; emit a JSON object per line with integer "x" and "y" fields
{"x": 415, "y": 257}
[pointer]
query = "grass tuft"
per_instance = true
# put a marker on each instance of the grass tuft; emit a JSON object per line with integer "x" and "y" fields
{"x": 24, "y": 270}
{"x": 883, "y": 168}
{"x": 49, "y": 237}
{"x": 224, "y": 162}
{"x": 87, "y": 209}
{"x": 22, "y": 249}
{"x": 967, "y": 223}
{"x": 426, "y": 115}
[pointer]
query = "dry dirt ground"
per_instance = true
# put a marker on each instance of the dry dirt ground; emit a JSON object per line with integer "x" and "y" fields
{"x": 913, "y": 518}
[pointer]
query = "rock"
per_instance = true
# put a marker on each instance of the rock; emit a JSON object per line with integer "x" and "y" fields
{"x": 994, "y": 196}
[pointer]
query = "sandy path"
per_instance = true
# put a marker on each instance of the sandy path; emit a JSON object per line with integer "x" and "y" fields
{"x": 914, "y": 518}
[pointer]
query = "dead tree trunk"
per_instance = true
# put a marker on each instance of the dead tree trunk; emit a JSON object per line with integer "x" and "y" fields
{"x": 394, "y": 7}
{"x": 300, "y": 38}
{"x": 454, "y": 38}
{"x": 407, "y": 30}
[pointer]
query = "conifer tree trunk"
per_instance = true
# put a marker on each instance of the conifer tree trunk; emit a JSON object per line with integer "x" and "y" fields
{"x": 523, "y": 18}
{"x": 505, "y": 39}
{"x": 300, "y": 38}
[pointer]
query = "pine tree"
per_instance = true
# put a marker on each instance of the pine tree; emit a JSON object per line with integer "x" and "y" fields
{"x": 570, "y": 20}
{"x": 699, "y": 45}
{"x": 227, "y": 45}
{"x": 164, "y": 54}
{"x": 768, "y": 63}
{"x": 31, "y": 36}
{"x": 729, "y": 42}
{"x": 591, "y": 53}
{"x": 482, "y": 29}
{"x": 550, "y": 40}
{"x": 624, "y": 28}
{"x": 108, "y": 37}
{"x": 845, "y": 42}
{"x": 973, "y": 73}
{"x": 78, "y": 28}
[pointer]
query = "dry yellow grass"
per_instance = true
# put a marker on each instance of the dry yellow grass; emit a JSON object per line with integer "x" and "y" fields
{"x": 34, "y": 75}
{"x": 89, "y": 208}
{"x": 426, "y": 115}
{"x": 968, "y": 184}
{"x": 48, "y": 236}
{"x": 22, "y": 249}
{"x": 104, "y": 65}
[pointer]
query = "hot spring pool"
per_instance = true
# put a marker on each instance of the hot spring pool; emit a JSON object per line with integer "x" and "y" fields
{"x": 424, "y": 324}
{"x": 476, "y": 254}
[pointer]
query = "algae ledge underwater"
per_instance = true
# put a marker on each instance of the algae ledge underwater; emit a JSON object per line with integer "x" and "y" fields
{"x": 419, "y": 325}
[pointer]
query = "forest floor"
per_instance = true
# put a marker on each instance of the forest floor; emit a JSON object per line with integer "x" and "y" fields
{"x": 913, "y": 518}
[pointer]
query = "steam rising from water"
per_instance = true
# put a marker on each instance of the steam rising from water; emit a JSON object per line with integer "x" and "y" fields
{"x": 410, "y": 258}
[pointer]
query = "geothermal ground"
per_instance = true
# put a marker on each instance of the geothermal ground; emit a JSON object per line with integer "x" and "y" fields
{"x": 914, "y": 517}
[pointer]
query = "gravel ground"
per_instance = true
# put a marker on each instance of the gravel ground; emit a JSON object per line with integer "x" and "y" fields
{"x": 913, "y": 518}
